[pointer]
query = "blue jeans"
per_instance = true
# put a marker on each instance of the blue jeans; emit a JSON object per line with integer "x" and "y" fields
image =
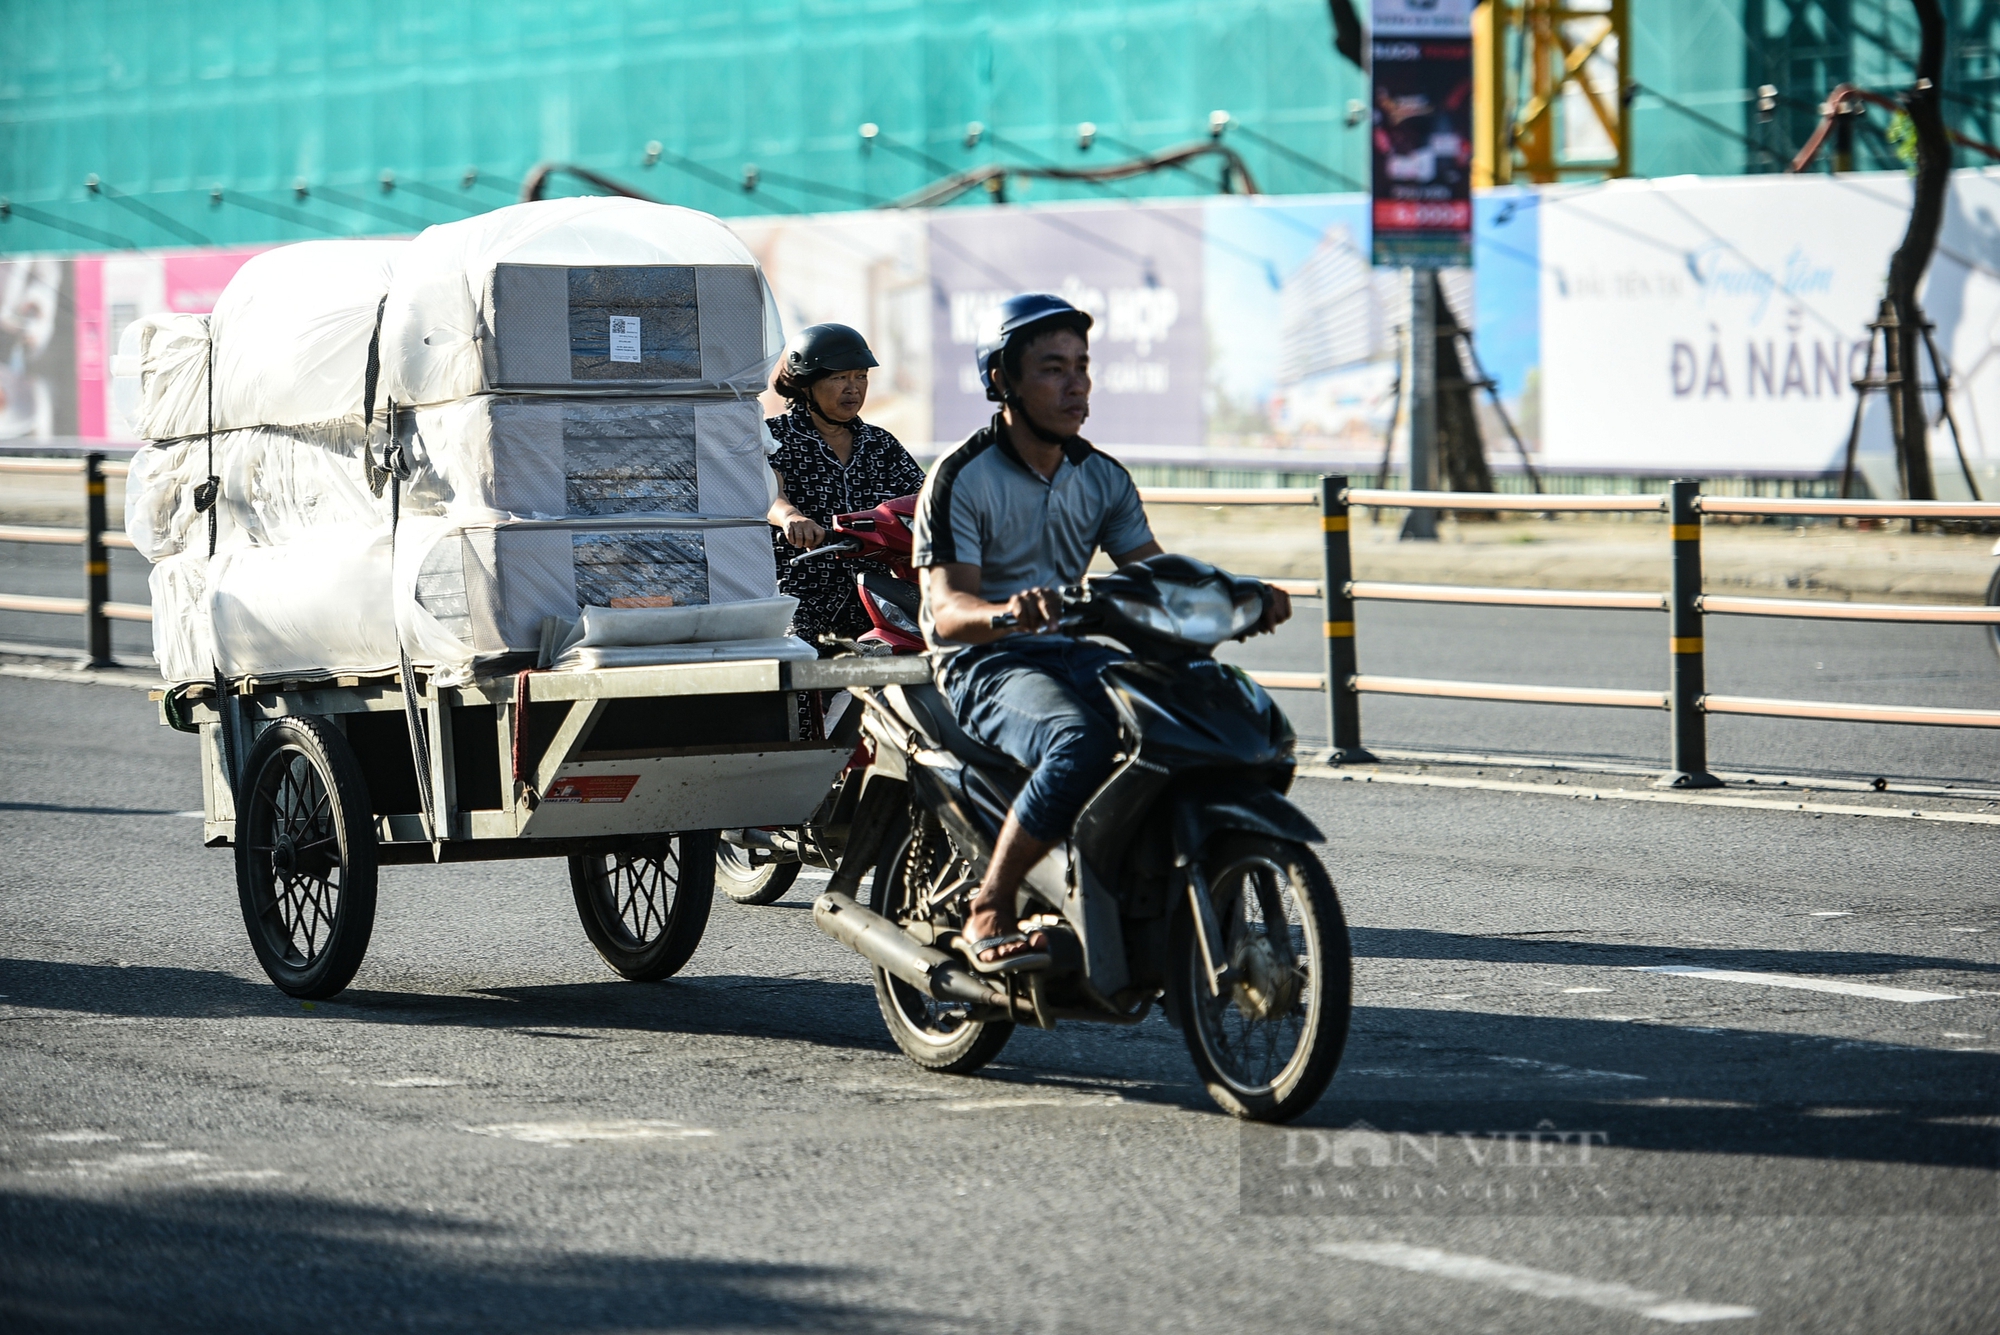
{"x": 1039, "y": 699}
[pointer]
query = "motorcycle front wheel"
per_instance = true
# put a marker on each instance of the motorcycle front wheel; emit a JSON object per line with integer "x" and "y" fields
{"x": 936, "y": 1035}
{"x": 1267, "y": 1044}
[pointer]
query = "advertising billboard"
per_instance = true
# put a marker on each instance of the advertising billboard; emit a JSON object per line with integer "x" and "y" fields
{"x": 1718, "y": 325}
{"x": 1137, "y": 268}
{"x": 1420, "y": 150}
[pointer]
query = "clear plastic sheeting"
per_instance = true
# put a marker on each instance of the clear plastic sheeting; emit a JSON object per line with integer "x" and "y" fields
{"x": 632, "y": 637}
{"x": 542, "y": 456}
{"x": 784, "y": 648}
{"x": 590, "y": 294}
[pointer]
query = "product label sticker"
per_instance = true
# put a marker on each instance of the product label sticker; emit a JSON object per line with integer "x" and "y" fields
{"x": 624, "y": 338}
{"x": 581, "y": 788}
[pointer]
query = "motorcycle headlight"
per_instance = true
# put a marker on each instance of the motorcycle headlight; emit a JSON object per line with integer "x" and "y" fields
{"x": 1206, "y": 613}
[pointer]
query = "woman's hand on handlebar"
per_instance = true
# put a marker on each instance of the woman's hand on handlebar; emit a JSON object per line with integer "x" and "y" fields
{"x": 802, "y": 532}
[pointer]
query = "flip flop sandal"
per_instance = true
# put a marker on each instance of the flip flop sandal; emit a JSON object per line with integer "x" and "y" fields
{"x": 1016, "y": 963}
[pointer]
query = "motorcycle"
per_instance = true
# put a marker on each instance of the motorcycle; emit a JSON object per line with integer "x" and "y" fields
{"x": 1187, "y": 879}
{"x": 759, "y": 866}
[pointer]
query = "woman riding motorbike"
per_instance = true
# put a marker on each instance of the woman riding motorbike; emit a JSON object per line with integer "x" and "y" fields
{"x": 828, "y": 462}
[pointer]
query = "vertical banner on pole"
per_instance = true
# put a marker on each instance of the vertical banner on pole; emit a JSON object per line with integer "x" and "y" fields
{"x": 1421, "y": 149}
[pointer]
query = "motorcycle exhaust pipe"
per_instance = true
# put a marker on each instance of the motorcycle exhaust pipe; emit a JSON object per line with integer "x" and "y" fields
{"x": 872, "y": 936}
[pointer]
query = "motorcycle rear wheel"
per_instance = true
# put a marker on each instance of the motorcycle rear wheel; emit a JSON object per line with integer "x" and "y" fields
{"x": 936, "y": 1035}
{"x": 1268, "y": 1045}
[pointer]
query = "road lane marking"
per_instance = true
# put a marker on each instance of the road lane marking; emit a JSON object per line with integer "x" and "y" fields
{"x": 1036, "y": 1101}
{"x": 1649, "y": 795}
{"x": 567, "y": 1135}
{"x": 416, "y": 1082}
{"x": 1573, "y": 991}
{"x": 1557, "y": 1071}
{"x": 1833, "y": 913}
{"x": 1610, "y": 1296}
{"x": 1875, "y": 990}
{"x": 76, "y": 1137}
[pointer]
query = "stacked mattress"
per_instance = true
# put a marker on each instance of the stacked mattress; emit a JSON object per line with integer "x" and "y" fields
{"x": 570, "y": 387}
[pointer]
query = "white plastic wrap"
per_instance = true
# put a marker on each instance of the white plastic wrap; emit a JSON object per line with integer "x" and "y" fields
{"x": 291, "y": 334}
{"x": 277, "y": 484}
{"x": 181, "y": 642}
{"x": 167, "y": 354}
{"x": 304, "y": 606}
{"x": 520, "y": 298}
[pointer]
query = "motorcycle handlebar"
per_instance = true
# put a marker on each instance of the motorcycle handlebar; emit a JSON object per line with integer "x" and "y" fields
{"x": 830, "y": 549}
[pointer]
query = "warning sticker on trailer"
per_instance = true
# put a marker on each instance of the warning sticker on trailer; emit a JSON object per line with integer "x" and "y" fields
{"x": 581, "y": 788}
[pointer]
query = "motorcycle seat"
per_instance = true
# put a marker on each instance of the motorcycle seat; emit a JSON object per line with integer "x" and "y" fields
{"x": 931, "y": 712}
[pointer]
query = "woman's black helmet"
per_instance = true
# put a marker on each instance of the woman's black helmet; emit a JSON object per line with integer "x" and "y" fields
{"x": 821, "y": 349}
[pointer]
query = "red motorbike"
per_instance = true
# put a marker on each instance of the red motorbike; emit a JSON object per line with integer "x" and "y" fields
{"x": 757, "y": 866}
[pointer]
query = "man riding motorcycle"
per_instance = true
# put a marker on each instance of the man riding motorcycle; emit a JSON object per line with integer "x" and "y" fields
{"x": 1002, "y": 523}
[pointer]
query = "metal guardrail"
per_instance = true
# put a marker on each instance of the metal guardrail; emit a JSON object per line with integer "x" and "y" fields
{"x": 95, "y": 607}
{"x": 1686, "y": 700}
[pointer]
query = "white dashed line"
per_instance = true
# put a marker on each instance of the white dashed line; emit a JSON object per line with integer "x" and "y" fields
{"x": 1612, "y": 1297}
{"x": 1557, "y": 1071}
{"x": 566, "y": 1135}
{"x": 1833, "y": 913}
{"x": 1036, "y": 1101}
{"x": 416, "y": 1082}
{"x": 1875, "y": 990}
{"x": 77, "y": 1137}
{"x": 1574, "y": 991}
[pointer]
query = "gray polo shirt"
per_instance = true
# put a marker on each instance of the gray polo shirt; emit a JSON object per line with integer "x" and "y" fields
{"x": 983, "y": 506}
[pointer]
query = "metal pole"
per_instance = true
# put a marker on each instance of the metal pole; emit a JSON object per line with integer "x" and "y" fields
{"x": 1422, "y": 524}
{"x": 96, "y": 565}
{"x": 1343, "y": 704}
{"x": 1689, "y": 724}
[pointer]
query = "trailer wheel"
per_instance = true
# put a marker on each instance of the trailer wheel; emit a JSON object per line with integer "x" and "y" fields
{"x": 645, "y": 908}
{"x": 305, "y": 857}
{"x": 748, "y": 881}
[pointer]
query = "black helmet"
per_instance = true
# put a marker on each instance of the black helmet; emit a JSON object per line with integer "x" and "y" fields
{"x": 1023, "y": 314}
{"x": 822, "y": 349}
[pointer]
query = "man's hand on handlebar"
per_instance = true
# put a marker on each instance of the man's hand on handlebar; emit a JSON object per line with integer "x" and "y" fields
{"x": 1032, "y": 610}
{"x": 1277, "y": 611}
{"x": 802, "y": 532}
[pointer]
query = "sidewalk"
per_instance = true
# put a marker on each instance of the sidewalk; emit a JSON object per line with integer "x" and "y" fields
{"x": 1590, "y": 552}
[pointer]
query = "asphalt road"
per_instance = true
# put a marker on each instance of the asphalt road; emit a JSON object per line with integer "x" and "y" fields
{"x": 488, "y": 1132}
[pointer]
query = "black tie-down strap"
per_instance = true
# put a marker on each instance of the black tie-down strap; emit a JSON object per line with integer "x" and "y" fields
{"x": 373, "y": 473}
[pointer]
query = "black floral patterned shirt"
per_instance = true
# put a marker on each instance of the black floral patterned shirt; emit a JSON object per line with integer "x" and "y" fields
{"x": 878, "y": 469}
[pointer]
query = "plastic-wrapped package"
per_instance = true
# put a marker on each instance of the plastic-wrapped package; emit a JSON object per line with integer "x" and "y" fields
{"x": 277, "y": 484}
{"x": 588, "y": 294}
{"x": 544, "y": 456}
{"x": 306, "y": 605}
{"x": 483, "y": 590}
{"x": 291, "y": 334}
{"x": 181, "y": 642}
{"x": 167, "y": 354}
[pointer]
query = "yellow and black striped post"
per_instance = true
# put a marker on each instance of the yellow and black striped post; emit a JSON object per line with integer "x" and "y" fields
{"x": 1343, "y": 703}
{"x": 1689, "y": 724}
{"x": 96, "y": 564}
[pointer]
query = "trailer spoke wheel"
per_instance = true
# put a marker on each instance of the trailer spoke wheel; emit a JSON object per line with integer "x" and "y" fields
{"x": 646, "y": 908}
{"x": 305, "y": 857}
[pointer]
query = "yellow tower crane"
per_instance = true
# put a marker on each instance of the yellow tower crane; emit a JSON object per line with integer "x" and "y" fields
{"x": 1550, "y": 82}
